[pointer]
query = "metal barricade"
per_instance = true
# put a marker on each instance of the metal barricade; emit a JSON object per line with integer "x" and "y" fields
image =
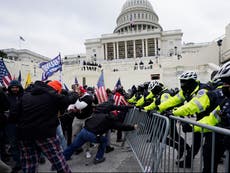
{"x": 148, "y": 142}
{"x": 203, "y": 151}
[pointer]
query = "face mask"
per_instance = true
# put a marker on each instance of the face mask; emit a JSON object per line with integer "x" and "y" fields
{"x": 226, "y": 91}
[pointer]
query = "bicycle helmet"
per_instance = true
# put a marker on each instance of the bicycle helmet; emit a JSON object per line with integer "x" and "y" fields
{"x": 155, "y": 87}
{"x": 188, "y": 75}
{"x": 224, "y": 72}
{"x": 152, "y": 84}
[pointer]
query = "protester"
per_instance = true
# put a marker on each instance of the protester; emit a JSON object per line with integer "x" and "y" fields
{"x": 37, "y": 124}
{"x": 4, "y": 106}
{"x": 220, "y": 116}
{"x": 120, "y": 100}
{"x": 189, "y": 88}
{"x": 83, "y": 109}
{"x": 95, "y": 129}
{"x": 15, "y": 92}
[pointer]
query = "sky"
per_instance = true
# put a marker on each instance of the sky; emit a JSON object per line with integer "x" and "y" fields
{"x": 50, "y": 27}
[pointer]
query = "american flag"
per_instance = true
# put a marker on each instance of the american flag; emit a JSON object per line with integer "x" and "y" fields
{"x": 119, "y": 99}
{"x": 5, "y": 76}
{"x": 100, "y": 90}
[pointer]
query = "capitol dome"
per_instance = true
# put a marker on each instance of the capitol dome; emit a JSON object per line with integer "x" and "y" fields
{"x": 137, "y": 15}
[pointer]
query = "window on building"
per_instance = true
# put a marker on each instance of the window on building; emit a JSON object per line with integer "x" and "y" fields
{"x": 155, "y": 76}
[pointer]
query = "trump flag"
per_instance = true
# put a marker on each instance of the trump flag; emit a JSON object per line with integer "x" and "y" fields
{"x": 51, "y": 67}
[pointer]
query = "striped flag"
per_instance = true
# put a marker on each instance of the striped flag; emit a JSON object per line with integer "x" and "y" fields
{"x": 5, "y": 76}
{"x": 119, "y": 99}
{"x": 100, "y": 90}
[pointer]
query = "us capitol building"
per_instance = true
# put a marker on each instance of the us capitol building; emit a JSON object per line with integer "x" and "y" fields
{"x": 137, "y": 51}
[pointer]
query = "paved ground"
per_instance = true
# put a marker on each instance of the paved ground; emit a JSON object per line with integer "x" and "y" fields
{"x": 121, "y": 159}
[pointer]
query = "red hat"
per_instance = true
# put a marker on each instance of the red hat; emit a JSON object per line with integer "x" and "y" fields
{"x": 82, "y": 90}
{"x": 56, "y": 85}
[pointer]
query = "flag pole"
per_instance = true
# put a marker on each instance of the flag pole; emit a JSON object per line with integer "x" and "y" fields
{"x": 60, "y": 74}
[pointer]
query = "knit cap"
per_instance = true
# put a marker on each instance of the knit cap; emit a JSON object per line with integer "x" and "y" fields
{"x": 56, "y": 85}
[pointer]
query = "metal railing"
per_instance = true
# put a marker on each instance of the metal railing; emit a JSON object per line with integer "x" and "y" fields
{"x": 148, "y": 142}
{"x": 161, "y": 144}
{"x": 200, "y": 151}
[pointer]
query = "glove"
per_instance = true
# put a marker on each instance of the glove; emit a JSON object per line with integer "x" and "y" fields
{"x": 186, "y": 127}
{"x": 140, "y": 109}
{"x": 167, "y": 113}
{"x": 149, "y": 114}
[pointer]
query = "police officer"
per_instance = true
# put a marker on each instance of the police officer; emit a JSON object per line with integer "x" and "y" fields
{"x": 189, "y": 88}
{"x": 160, "y": 94}
{"x": 220, "y": 116}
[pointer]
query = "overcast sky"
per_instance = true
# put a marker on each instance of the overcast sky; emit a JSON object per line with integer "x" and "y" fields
{"x": 53, "y": 26}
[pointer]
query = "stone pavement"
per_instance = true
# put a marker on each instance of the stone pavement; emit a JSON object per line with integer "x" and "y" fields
{"x": 122, "y": 159}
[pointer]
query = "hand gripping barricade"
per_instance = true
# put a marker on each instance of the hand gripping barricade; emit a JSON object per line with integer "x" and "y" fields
{"x": 148, "y": 141}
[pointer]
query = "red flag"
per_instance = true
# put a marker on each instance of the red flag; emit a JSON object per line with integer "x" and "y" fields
{"x": 100, "y": 90}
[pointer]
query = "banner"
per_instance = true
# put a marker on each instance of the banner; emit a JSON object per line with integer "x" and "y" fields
{"x": 51, "y": 67}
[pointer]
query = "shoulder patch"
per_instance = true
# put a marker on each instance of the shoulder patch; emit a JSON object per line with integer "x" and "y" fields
{"x": 201, "y": 92}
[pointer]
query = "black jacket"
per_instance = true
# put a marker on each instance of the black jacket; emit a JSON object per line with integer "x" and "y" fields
{"x": 13, "y": 100}
{"x": 4, "y": 106}
{"x": 102, "y": 119}
{"x": 38, "y": 111}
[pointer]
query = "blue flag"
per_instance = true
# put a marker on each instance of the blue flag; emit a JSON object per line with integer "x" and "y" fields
{"x": 118, "y": 84}
{"x": 51, "y": 67}
{"x": 76, "y": 81}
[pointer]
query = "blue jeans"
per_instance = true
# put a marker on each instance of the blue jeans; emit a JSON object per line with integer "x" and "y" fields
{"x": 61, "y": 137}
{"x": 83, "y": 137}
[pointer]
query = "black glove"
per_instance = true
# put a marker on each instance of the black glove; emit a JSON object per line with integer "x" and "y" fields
{"x": 186, "y": 127}
{"x": 167, "y": 113}
{"x": 140, "y": 109}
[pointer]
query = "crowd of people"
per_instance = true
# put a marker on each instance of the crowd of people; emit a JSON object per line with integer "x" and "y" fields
{"x": 37, "y": 122}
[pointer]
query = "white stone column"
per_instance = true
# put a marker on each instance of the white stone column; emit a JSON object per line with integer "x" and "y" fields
{"x": 159, "y": 45}
{"x": 126, "y": 51}
{"x": 143, "y": 47}
{"x": 146, "y": 46}
{"x": 117, "y": 50}
{"x": 134, "y": 49}
{"x": 114, "y": 50}
{"x": 155, "y": 46}
{"x": 106, "y": 55}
